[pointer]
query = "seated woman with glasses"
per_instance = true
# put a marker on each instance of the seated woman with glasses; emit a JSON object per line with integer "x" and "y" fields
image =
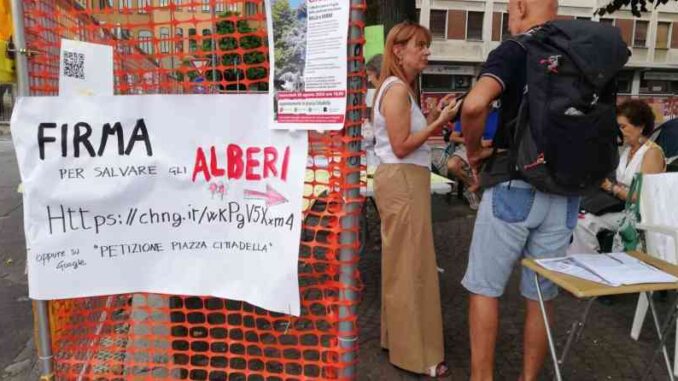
{"x": 640, "y": 155}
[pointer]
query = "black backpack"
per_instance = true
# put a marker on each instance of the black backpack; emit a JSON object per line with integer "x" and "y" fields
{"x": 565, "y": 139}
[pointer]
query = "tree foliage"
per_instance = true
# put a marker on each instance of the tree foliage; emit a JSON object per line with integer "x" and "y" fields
{"x": 390, "y": 12}
{"x": 224, "y": 67}
{"x": 289, "y": 34}
{"x": 635, "y": 6}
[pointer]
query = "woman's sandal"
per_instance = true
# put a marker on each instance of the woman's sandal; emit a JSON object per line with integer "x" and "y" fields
{"x": 439, "y": 371}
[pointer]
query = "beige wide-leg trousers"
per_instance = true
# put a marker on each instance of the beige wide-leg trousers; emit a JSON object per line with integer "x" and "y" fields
{"x": 411, "y": 317}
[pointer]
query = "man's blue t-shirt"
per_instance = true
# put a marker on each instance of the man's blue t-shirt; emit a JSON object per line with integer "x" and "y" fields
{"x": 491, "y": 125}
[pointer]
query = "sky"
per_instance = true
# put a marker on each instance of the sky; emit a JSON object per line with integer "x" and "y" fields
{"x": 295, "y": 3}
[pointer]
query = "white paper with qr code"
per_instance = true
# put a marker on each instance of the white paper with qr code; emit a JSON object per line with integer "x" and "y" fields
{"x": 85, "y": 69}
{"x": 613, "y": 269}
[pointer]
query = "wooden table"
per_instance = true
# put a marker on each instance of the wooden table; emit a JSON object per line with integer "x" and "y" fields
{"x": 585, "y": 289}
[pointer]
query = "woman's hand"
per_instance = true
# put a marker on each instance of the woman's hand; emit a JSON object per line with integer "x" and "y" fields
{"x": 607, "y": 185}
{"x": 448, "y": 109}
{"x": 433, "y": 112}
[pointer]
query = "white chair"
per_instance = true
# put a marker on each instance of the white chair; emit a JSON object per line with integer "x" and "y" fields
{"x": 659, "y": 221}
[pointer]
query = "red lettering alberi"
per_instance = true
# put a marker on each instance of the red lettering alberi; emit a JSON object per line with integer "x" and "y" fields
{"x": 235, "y": 162}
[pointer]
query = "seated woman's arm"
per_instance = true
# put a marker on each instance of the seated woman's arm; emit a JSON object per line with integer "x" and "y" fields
{"x": 457, "y": 138}
{"x": 396, "y": 110}
{"x": 653, "y": 162}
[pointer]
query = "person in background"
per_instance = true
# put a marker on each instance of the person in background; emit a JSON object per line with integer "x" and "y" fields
{"x": 640, "y": 155}
{"x": 373, "y": 69}
{"x": 458, "y": 164}
{"x": 4, "y": 88}
{"x": 411, "y": 317}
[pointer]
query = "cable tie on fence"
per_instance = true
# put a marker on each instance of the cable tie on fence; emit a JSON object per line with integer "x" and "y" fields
{"x": 349, "y": 339}
{"x": 24, "y": 51}
{"x": 47, "y": 377}
{"x": 45, "y": 357}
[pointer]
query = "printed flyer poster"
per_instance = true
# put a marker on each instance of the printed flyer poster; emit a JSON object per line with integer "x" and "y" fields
{"x": 172, "y": 194}
{"x": 308, "y": 50}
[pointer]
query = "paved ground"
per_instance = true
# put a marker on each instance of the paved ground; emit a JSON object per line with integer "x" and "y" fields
{"x": 605, "y": 352}
{"x": 16, "y": 319}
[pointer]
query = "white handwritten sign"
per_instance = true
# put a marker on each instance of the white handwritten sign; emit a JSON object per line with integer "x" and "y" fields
{"x": 187, "y": 195}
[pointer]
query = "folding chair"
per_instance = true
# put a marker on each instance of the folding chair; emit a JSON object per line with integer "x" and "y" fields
{"x": 660, "y": 224}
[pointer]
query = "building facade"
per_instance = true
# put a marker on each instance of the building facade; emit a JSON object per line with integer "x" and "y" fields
{"x": 160, "y": 27}
{"x": 465, "y": 31}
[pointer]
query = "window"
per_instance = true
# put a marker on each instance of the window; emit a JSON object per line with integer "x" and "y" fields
{"x": 438, "y": 22}
{"x": 143, "y": 4}
{"x": 505, "y": 32}
{"x": 663, "y": 32}
{"x": 179, "y": 44}
{"x": 192, "y": 41}
{"x": 103, "y": 4}
{"x": 205, "y": 5}
{"x": 654, "y": 86}
{"x": 220, "y": 7}
{"x": 232, "y": 7}
{"x": 124, "y": 4}
{"x": 640, "y": 34}
{"x": 474, "y": 26}
{"x": 163, "y": 3}
{"x": 250, "y": 9}
{"x": 164, "y": 40}
{"x": 624, "y": 82}
{"x": 446, "y": 82}
{"x": 146, "y": 41}
{"x": 206, "y": 32}
{"x": 583, "y": 18}
{"x": 607, "y": 21}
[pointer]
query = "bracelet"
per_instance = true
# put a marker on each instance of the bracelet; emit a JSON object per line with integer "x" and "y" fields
{"x": 610, "y": 189}
{"x": 615, "y": 190}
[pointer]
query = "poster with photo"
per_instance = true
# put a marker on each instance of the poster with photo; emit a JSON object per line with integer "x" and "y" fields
{"x": 308, "y": 53}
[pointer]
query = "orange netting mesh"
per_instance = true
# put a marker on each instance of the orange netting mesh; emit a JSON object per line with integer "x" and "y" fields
{"x": 212, "y": 46}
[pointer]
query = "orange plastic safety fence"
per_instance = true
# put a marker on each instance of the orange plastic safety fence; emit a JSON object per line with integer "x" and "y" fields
{"x": 211, "y": 46}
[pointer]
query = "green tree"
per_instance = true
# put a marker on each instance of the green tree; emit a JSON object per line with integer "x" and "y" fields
{"x": 283, "y": 18}
{"x": 390, "y": 12}
{"x": 636, "y": 6}
{"x": 228, "y": 64}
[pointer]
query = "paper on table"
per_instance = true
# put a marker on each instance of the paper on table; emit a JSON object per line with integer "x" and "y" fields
{"x": 612, "y": 269}
{"x": 621, "y": 268}
{"x": 569, "y": 266}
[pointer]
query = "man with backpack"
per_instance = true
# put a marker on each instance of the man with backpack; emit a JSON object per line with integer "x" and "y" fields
{"x": 556, "y": 140}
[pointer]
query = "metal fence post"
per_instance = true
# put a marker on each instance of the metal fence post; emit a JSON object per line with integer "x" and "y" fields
{"x": 40, "y": 307}
{"x": 350, "y": 221}
{"x": 21, "y": 56}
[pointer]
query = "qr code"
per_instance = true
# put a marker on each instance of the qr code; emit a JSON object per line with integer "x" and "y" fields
{"x": 74, "y": 65}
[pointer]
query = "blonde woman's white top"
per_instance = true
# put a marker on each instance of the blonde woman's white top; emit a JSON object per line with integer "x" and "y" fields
{"x": 382, "y": 148}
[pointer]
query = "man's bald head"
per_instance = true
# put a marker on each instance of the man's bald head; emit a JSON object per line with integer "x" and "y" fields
{"x": 525, "y": 14}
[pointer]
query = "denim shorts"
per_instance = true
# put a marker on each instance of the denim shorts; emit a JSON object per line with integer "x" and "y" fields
{"x": 514, "y": 221}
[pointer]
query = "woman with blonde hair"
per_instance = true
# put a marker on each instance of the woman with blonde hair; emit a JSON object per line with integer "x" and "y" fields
{"x": 411, "y": 317}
